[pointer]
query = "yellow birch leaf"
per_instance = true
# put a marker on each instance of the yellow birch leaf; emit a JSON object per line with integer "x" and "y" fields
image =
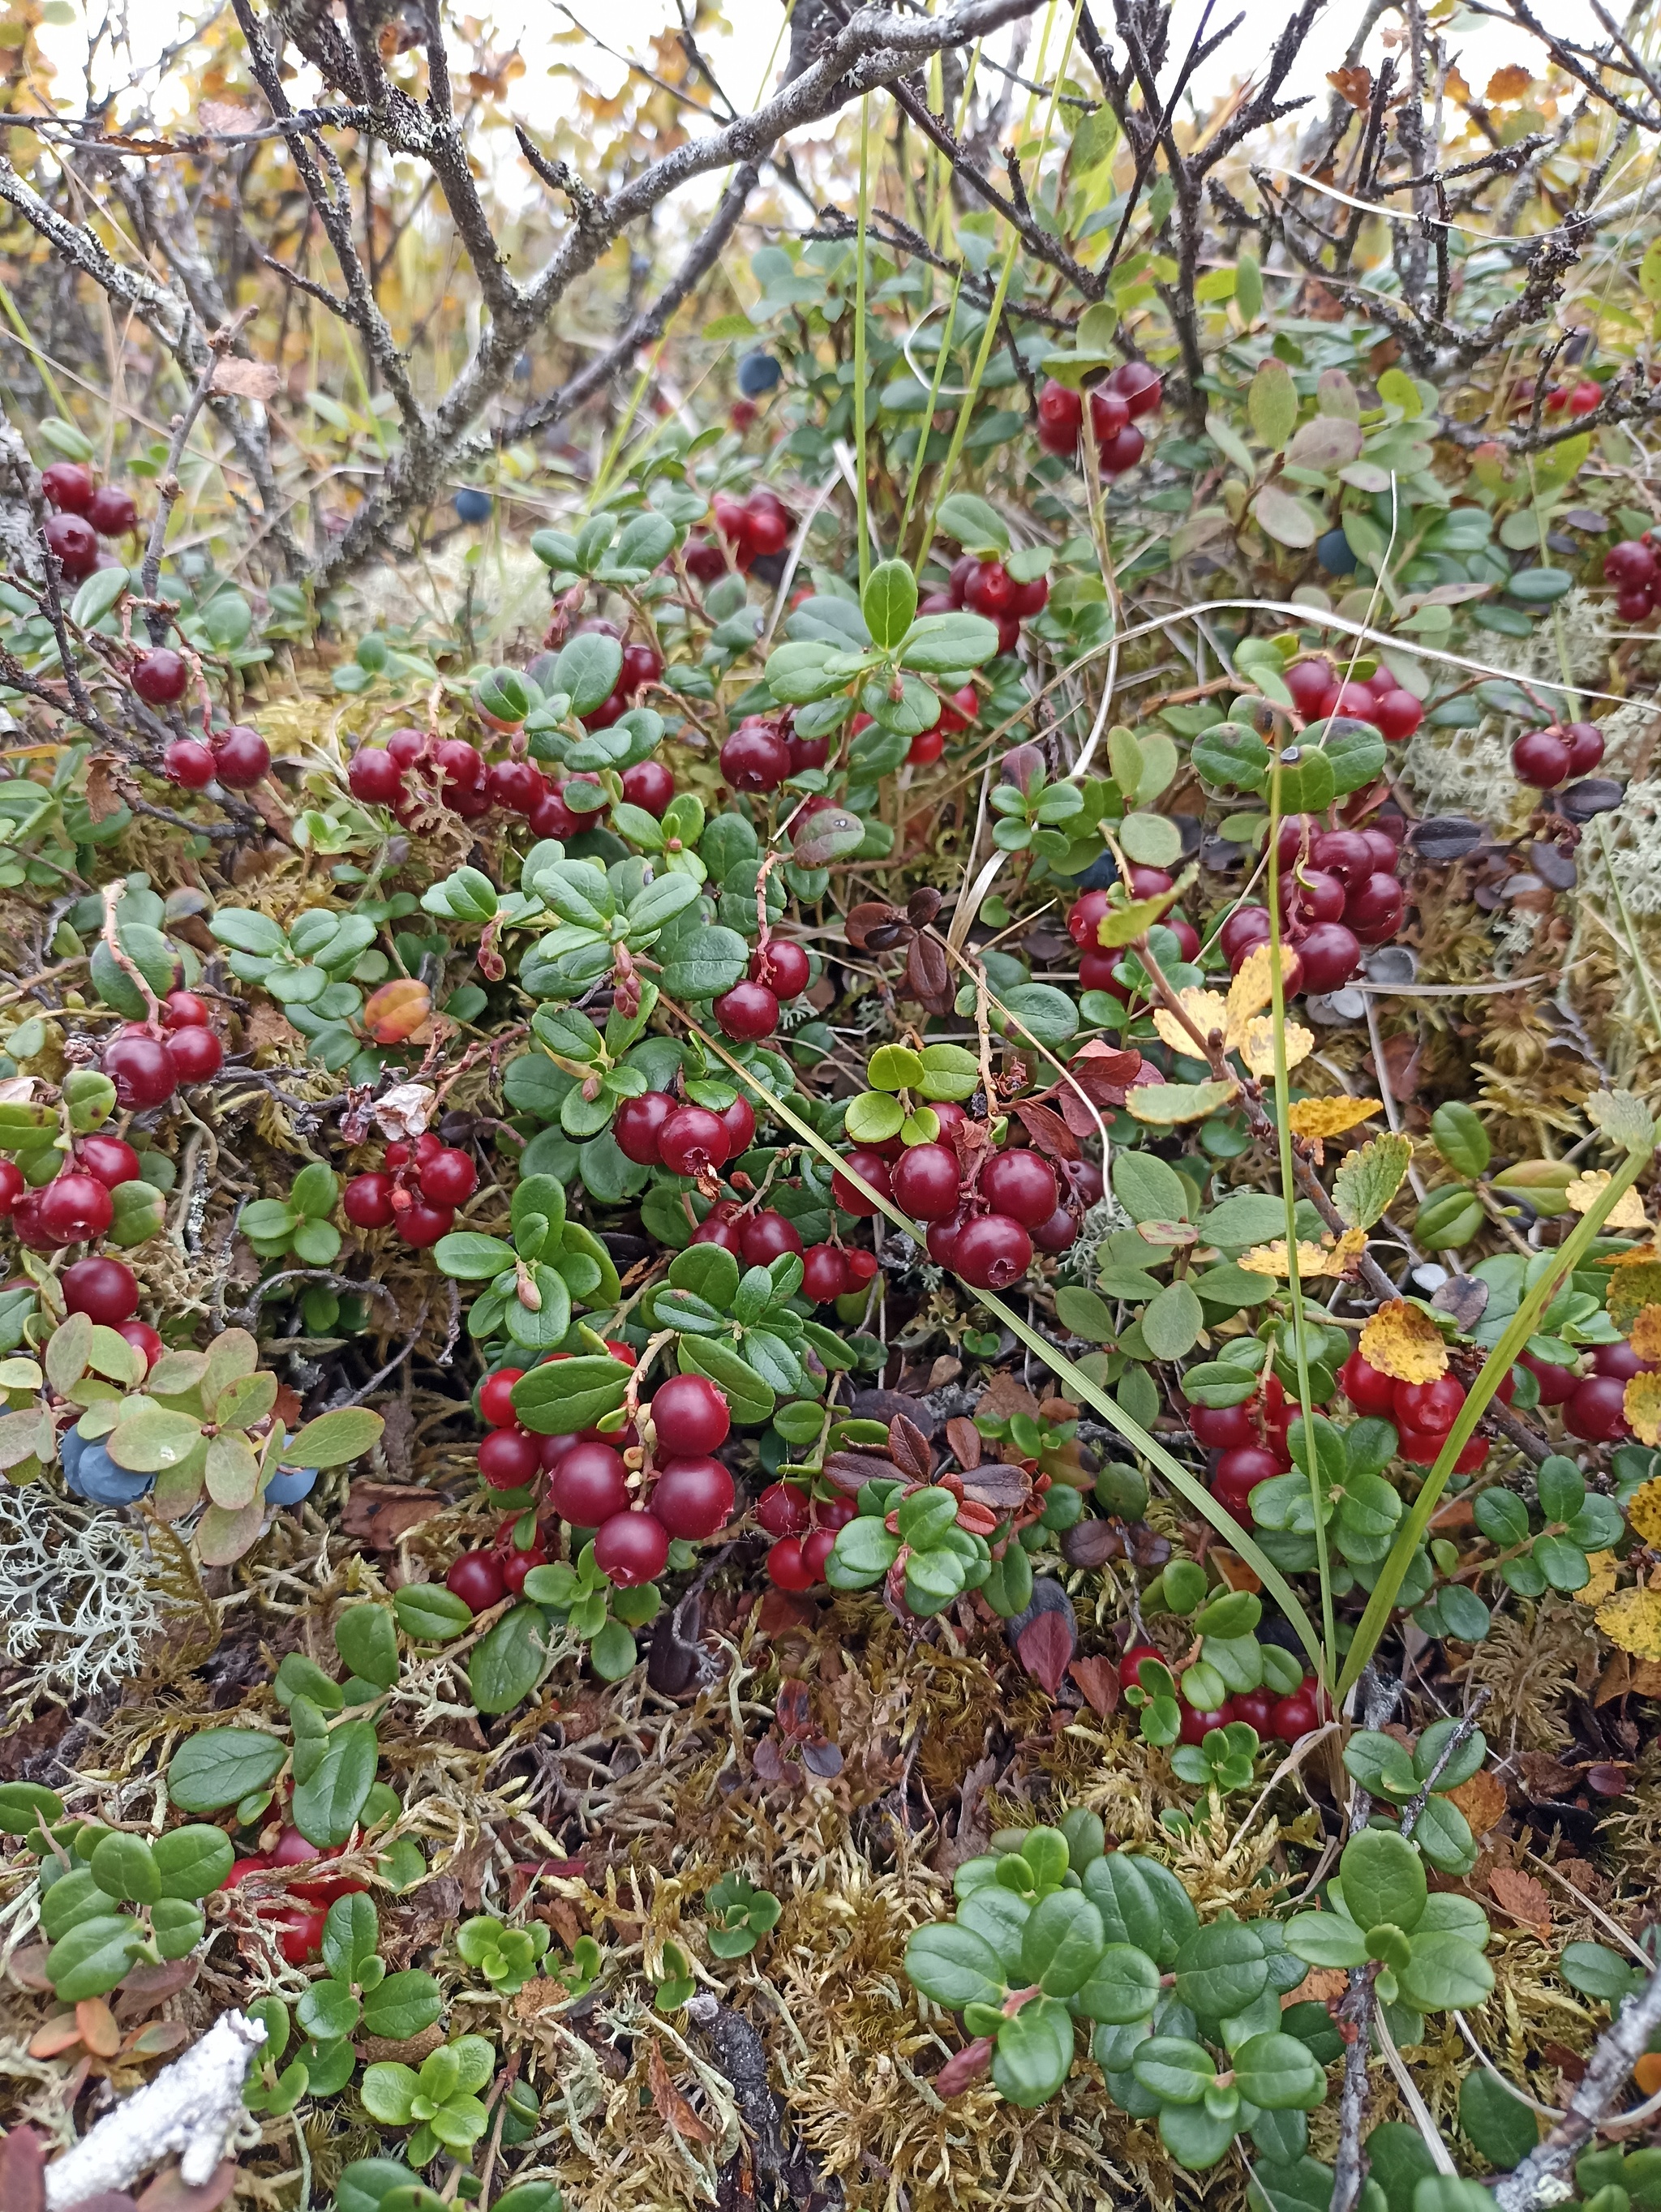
{"x": 1605, "y": 1573}
{"x": 1642, "y": 1405}
{"x": 1646, "y": 1333}
{"x": 1323, "y": 1259}
{"x": 1584, "y": 1193}
{"x": 1643, "y": 1510}
{"x": 1632, "y": 1621}
{"x": 1402, "y": 1341}
{"x": 1207, "y": 1010}
{"x": 1330, "y": 1117}
{"x": 1252, "y": 989}
{"x": 1257, "y": 1047}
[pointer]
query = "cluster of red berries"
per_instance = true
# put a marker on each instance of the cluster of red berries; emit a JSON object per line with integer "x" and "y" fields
{"x": 418, "y": 1193}
{"x": 1250, "y": 1440}
{"x": 1421, "y": 1413}
{"x": 804, "y": 1529}
{"x": 237, "y": 757}
{"x": 85, "y": 512}
{"x": 298, "y": 1917}
{"x": 1286, "y": 1718}
{"x": 1579, "y": 398}
{"x": 1344, "y": 895}
{"x": 1084, "y": 919}
{"x": 986, "y": 587}
{"x": 752, "y": 527}
{"x": 658, "y": 1130}
{"x": 1594, "y": 1405}
{"x": 828, "y": 1271}
{"x": 147, "y": 1062}
{"x": 1318, "y": 690}
{"x": 1633, "y": 568}
{"x": 692, "y": 1493}
{"x": 1115, "y": 403}
{"x": 984, "y": 1216}
{"x": 460, "y": 779}
{"x": 764, "y": 749}
{"x": 1546, "y": 757}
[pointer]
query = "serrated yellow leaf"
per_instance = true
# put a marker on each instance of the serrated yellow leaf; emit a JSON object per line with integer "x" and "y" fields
{"x": 1330, "y": 1117}
{"x": 1642, "y": 1406}
{"x": 1644, "y": 1510}
{"x": 1403, "y": 1341}
{"x": 1252, "y": 989}
{"x": 1605, "y": 1573}
{"x": 1584, "y": 1193}
{"x": 1632, "y": 1621}
{"x": 1257, "y": 1046}
{"x": 1646, "y": 1333}
{"x": 1325, "y": 1258}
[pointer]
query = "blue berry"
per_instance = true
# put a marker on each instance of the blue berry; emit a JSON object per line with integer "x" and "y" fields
{"x": 757, "y": 373}
{"x": 97, "y": 1477}
{"x": 289, "y": 1484}
{"x": 71, "y": 1446}
{"x": 472, "y": 506}
{"x": 1335, "y": 554}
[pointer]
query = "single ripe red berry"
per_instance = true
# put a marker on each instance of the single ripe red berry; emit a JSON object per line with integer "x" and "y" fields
{"x": 1330, "y": 954}
{"x": 1143, "y": 387}
{"x": 69, "y": 487}
{"x": 189, "y": 764}
{"x": 299, "y": 1933}
{"x": 1396, "y": 714}
{"x": 590, "y": 1485}
{"x": 13, "y": 1185}
{"x": 243, "y": 757}
{"x": 926, "y": 1182}
{"x": 141, "y": 1067}
{"x": 75, "y": 544}
{"x": 1119, "y": 454}
{"x": 1368, "y": 1389}
{"x": 1221, "y": 1428}
{"x": 1541, "y": 757}
{"x": 1618, "y": 1360}
{"x": 1557, "y": 1384}
{"x": 1470, "y": 1454}
{"x": 631, "y": 1548}
{"x": 1061, "y": 418}
{"x": 1311, "y": 896}
{"x": 689, "y": 1417}
{"x": 992, "y": 1252}
{"x": 111, "y": 1159}
{"x": 1237, "y": 1473}
{"x": 1293, "y": 1717}
{"x": 1345, "y": 854}
{"x": 1431, "y": 1407}
{"x": 142, "y": 1338}
{"x": 650, "y": 786}
{"x": 927, "y": 747}
{"x": 196, "y": 1055}
{"x": 782, "y": 1510}
{"x": 1084, "y": 920}
{"x": 374, "y": 776}
{"x": 514, "y": 784}
{"x": 1110, "y": 414}
{"x": 518, "y": 1564}
{"x": 1021, "y": 1184}
{"x": 1255, "y": 1707}
{"x": 421, "y": 1226}
{"x": 873, "y": 1169}
{"x": 1130, "y": 1663}
{"x": 159, "y": 676}
{"x": 717, "y": 1229}
{"x": 551, "y": 818}
{"x": 508, "y": 1458}
{"x": 1596, "y": 1413}
{"x": 476, "y": 1578}
{"x": 1058, "y": 1234}
{"x": 1314, "y": 688}
{"x": 990, "y": 590}
{"x": 638, "y": 1124}
{"x": 112, "y": 513}
{"x": 1373, "y": 910}
{"x": 859, "y": 1266}
{"x": 1196, "y": 1725}
{"x": 73, "y": 1207}
{"x": 748, "y": 1011}
{"x": 182, "y": 1010}
{"x": 691, "y": 1139}
{"x": 1585, "y": 747}
{"x": 816, "y": 1549}
{"x": 693, "y": 1498}
{"x": 755, "y": 758}
{"x": 367, "y": 1202}
{"x": 783, "y": 965}
{"x": 103, "y": 1289}
{"x": 824, "y": 1273}
{"x": 786, "y": 1567}
{"x": 449, "y": 1178}
{"x": 768, "y": 1236}
{"x": 496, "y": 1397}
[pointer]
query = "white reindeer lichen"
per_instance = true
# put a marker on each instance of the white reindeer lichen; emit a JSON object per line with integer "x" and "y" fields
{"x": 77, "y": 1596}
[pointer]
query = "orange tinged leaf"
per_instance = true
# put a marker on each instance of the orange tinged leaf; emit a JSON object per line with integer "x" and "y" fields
{"x": 1647, "y": 1334}
{"x": 396, "y": 1010}
{"x": 1642, "y": 1404}
{"x": 1330, "y": 1117}
{"x": 95, "y": 2023}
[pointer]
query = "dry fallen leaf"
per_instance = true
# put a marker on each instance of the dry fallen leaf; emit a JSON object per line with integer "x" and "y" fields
{"x": 1642, "y": 1406}
{"x": 1632, "y": 1619}
{"x": 1584, "y": 1193}
{"x": 246, "y": 380}
{"x": 1330, "y": 1117}
{"x": 671, "y": 2107}
{"x": 1482, "y": 1800}
{"x": 1523, "y": 1897}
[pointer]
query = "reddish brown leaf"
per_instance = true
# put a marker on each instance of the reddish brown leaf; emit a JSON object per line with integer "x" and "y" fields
{"x": 1045, "y": 1649}
{"x": 1401, "y": 1068}
{"x": 851, "y": 1471}
{"x": 1523, "y": 1897}
{"x": 58, "y": 2035}
{"x": 1353, "y": 86}
{"x": 964, "y": 1439}
{"x": 671, "y": 2107}
{"x": 909, "y": 1448}
{"x": 22, "y": 2171}
{"x": 167, "y": 2193}
{"x": 927, "y": 973}
{"x": 1091, "y": 1542}
{"x": 769, "y": 1761}
{"x": 869, "y": 915}
{"x": 95, "y": 2023}
{"x": 1005, "y": 1488}
{"x": 963, "y": 2068}
{"x": 1099, "y": 1679}
{"x": 145, "y": 1987}
{"x": 378, "y": 1513}
{"x": 1048, "y": 1130}
{"x": 922, "y": 906}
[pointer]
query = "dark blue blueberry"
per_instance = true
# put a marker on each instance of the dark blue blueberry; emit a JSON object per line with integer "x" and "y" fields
{"x": 472, "y": 506}
{"x": 757, "y": 373}
{"x": 71, "y": 1446}
{"x": 100, "y": 1479}
{"x": 1335, "y": 554}
{"x": 289, "y": 1484}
